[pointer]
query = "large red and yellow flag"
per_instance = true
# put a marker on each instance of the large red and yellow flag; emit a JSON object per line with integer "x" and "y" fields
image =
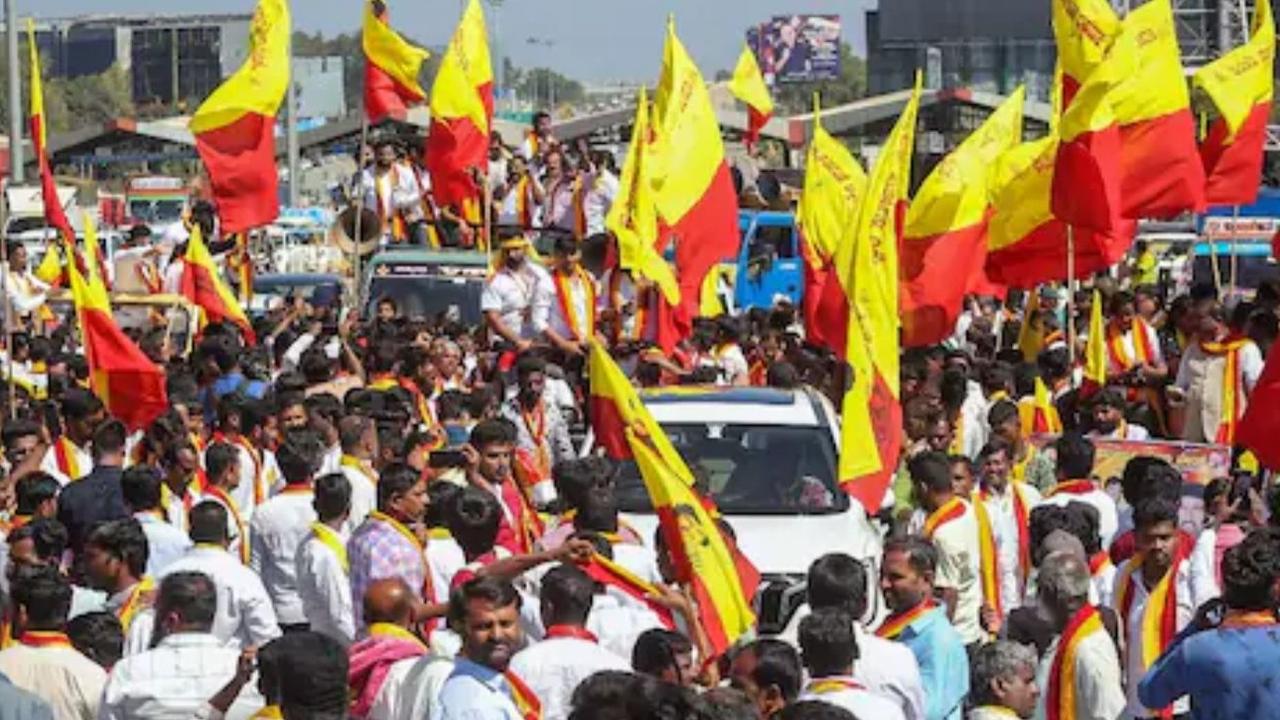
{"x": 946, "y": 229}
{"x": 834, "y": 183}
{"x": 723, "y": 581}
{"x": 54, "y": 214}
{"x": 461, "y": 116}
{"x": 747, "y": 84}
{"x": 203, "y": 286}
{"x": 872, "y": 411}
{"x": 633, "y": 220}
{"x": 1240, "y": 85}
{"x": 235, "y": 126}
{"x": 1160, "y": 171}
{"x": 693, "y": 190}
{"x": 129, "y": 384}
{"x": 1084, "y": 31}
{"x": 1026, "y": 243}
{"x": 391, "y": 67}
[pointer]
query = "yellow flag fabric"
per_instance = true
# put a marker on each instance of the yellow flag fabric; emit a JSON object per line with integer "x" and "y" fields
{"x": 873, "y": 336}
{"x": 37, "y": 85}
{"x": 687, "y": 150}
{"x": 712, "y": 566}
{"x": 1020, "y": 192}
{"x": 454, "y": 94}
{"x": 50, "y": 269}
{"x": 387, "y": 49}
{"x": 955, "y": 195}
{"x": 1152, "y": 83}
{"x": 93, "y": 257}
{"x": 1055, "y": 98}
{"x": 88, "y": 290}
{"x": 747, "y": 83}
{"x": 834, "y": 183}
{"x": 633, "y": 217}
{"x": 1084, "y": 30}
{"x": 1031, "y": 334}
{"x": 1241, "y": 79}
{"x": 259, "y": 85}
{"x": 471, "y": 44}
{"x": 1095, "y": 349}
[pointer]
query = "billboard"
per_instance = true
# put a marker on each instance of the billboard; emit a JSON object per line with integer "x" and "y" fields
{"x": 797, "y": 48}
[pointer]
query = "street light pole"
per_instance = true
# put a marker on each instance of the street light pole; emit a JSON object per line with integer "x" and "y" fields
{"x": 15, "y": 93}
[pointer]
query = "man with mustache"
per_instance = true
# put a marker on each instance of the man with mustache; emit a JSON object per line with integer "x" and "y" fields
{"x": 485, "y": 612}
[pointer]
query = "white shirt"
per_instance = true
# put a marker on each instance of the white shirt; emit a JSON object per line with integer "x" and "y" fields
{"x": 599, "y": 201}
{"x": 84, "y": 461}
{"x": 70, "y": 682}
{"x": 732, "y": 364}
{"x": 279, "y": 528}
{"x": 165, "y": 543}
{"x": 973, "y": 424}
{"x": 1098, "y": 690}
{"x": 397, "y": 191}
{"x": 617, "y": 622}
{"x": 959, "y": 568}
{"x": 244, "y": 616}
{"x": 639, "y": 560}
{"x": 861, "y": 702}
{"x": 26, "y": 292}
{"x": 1004, "y": 522}
{"x": 175, "y": 680}
{"x": 325, "y": 591}
{"x": 411, "y": 688}
{"x": 522, "y": 298}
{"x": 1191, "y": 594}
{"x": 364, "y": 496}
{"x": 555, "y": 667}
{"x": 579, "y": 289}
{"x": 444, "y": 560}
{"x": 1108, "y": 515}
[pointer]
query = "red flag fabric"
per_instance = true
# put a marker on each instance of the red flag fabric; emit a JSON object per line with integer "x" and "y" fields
{"x": 1233, "y": 165}
{"x": 1260, "y": 426}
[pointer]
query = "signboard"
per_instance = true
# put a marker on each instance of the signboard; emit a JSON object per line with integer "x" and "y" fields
{"x": 1198, "y": 463}
{"x": 1245, "y": 228}
{"x": 797, "y": 48}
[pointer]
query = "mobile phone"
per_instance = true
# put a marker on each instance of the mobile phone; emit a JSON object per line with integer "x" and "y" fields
{"x": 446, "y": 459}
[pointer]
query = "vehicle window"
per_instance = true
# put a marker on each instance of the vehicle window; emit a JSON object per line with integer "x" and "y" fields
{"x": 427, "y": 297}
{"x": 771, "y": 242}
{"x": 751, "y": 469}
{"x": 1250, "y": 271}
{"x": 26, "y": 224}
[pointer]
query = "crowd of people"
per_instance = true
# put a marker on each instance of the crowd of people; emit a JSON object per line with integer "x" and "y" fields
{"x": 393, "y": 518}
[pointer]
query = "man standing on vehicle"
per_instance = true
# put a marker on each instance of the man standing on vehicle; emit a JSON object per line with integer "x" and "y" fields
{"x": 571, "y": 321}
{"x": 392, "y": 191}
{"x": 515, "y": 300}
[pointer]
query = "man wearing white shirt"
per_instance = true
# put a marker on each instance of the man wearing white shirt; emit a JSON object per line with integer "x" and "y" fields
{"x": 244, "y": 614}
{"x": 1109, "y": 421}
{"x": 140, "y": 487}
{"x": 188, "y": 665}
{"x": 1074, "y": 459}
{"x": 1009, "y": 506}
{"x": 282, "y": 524}
{"x": 516, "y": 297}
{"x": 570, "y": 653}
{"x": 571, "y": 322}
{"x": 391, "y": 190}
{"x": 358, "y": 436}
{"x": 829, "y": 648}
{"x": 1203, "y": 387}
{"x": 26, "y": 291}
{"x": 68, "y": 458}
{"x": 321, "y": 564}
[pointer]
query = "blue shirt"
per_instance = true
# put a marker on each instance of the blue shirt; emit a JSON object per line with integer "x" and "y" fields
{"x": 1230, "y": 674}
{"x": 475, "y": 692}
{"x": 944, "y": 664}
{"x": 225, "y": 385}
{"x": 18, "y": 704}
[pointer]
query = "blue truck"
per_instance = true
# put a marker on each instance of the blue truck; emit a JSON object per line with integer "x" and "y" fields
{"x": 769, "y": 265}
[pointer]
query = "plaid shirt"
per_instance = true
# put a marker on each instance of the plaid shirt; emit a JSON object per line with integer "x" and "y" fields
{"x": 378, "y": 551}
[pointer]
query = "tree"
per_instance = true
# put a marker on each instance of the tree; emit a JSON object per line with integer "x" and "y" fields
{"x": 794, "y": 98}
{"x": 541, "y": 85}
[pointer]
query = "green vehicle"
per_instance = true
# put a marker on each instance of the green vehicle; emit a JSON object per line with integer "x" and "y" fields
{"x": 427, "y": 283}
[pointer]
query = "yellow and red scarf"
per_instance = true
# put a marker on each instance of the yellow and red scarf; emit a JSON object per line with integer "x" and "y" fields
{"x": 1072, "y": 487}
{"x": 1099, "y": 562}
{"x": 332, "y": 540}
{"x": 393, "y": 224}
{"x": 893, "y": 625}
{"x": 391, "y": 630}
{"x": 428, "y": 588}
{"x": 988, "y": 558}
{"x": 524, "y": 203}
{"x": 826, "y": 686}
{"x": 1232, "y": 386}
{"x": 1038, "y": 414}
{"x": 569, "y": 310}
{"x": 1060, "y": 695}
{"x": 259, "y": 489}
{"x": 64, "y": 453}
{"x": 535, "y": 422}
{"x": 1119, "y": 355}
{"x": 133, "y": 604}
{"x": 226, "y": 500}
{"x": 950, "y": 510}
{"x": 525, "y": 700}
{"x": 44, "y": 639}
{"x": 957, "y": 436}
{"x": 1022, "y": 519}
{"x": 1159, "y": 615}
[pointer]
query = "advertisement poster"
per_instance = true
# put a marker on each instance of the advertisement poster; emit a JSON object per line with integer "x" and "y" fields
{"x": 797, "y": 48}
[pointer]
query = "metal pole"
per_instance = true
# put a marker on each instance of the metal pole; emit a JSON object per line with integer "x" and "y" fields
{"x": 15, "y": 93}
{"x": 291, "y": 132}
{"x": 359, "y": 232}
{"x": 8, "y": 309}
{"x": 1071, "y": 294}
{"x": 1235, "y": 237}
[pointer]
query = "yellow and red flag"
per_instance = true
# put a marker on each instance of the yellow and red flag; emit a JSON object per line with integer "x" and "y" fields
{"x": 204, "y": 287}
{"x": 633, "y": 220}
{"x": 1084, "y": 31}
{"x": 54, "y": 214}
{"x": 1095, "y": 349}
{"x": 872, "y": 411}
{"x": 747, "y": 84}
{"x": 391, "y": 67}
{"x": 834, "y": 183}
{"x": 235, "y": 126}
{"x": 1086, "y": 180}
{"x": 693, "y": 190}
{"x": 461, "y": 116}
{"x": 1026, "y": 243}
{"x": 129, "y": 384}
{"x": 1031, "y": 332}
{"x": 946, "y": 229}
{"x": 1037, "y": 414}
{"x": 1241, "y": 87}
{"x": 723, "y": 581}
{"x": 1160, "y": 171}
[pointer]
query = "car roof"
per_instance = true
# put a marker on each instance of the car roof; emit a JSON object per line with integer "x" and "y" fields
{"x": 297, "y": 279}
{"x": 719, "y": 394}
{"x": 432, "y": 257}
{"x": 765, "y": 217}
{"x": 735, "y": 405}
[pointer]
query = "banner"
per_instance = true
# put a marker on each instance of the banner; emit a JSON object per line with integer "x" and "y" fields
{"x": 797, "y": 48}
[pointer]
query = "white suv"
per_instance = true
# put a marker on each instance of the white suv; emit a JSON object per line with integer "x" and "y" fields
{"x": 769, "y": 457}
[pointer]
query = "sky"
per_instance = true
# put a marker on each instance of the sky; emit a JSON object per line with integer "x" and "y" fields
{"x": 594, "y": 40}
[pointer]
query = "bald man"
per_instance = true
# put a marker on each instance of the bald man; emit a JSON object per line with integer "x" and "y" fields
{"x": 391, "y": 644}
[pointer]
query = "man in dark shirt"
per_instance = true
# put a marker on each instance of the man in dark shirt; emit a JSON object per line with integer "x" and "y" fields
{"x": 96, "y": 498}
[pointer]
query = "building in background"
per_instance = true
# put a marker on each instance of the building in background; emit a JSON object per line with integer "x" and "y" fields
{"x": 321, "y": 87}
{"x": 171, "y": 59}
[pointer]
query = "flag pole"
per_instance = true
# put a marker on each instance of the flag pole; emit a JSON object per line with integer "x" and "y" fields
{"x": 1235, "y": 236}
{"x": 486, "y": 196}
{"x": 359, "y": 231}
{"x": 11, "y": 391}
{"x": 1071, "y": 294}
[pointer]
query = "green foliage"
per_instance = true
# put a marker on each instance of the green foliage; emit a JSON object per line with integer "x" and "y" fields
{"x": 540, "y": 85}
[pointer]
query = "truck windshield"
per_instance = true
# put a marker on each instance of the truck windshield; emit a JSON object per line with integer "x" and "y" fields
{"x": 428, "y": 297}
{"x": 751, "y": 469}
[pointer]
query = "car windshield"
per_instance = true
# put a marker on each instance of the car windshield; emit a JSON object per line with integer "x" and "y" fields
{"x": 751, "y": 469}
{"x": 428, "y": 297}
{"x": 1250, "y": 270}
{"x": 156, "y": 211}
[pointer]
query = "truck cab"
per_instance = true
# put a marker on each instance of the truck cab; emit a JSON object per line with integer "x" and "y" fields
{"x": 155, "y": 200}
{"x": 769, "y": 263}
{"x": 427, "y": 283}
